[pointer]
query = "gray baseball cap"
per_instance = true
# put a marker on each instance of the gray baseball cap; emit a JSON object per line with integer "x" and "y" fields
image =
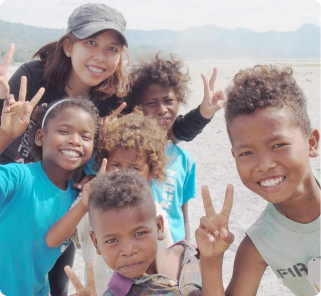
{"x": 91, "y": 18}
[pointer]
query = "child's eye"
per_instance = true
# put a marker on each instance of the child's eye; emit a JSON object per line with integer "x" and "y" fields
{"x": 87, "y": 138}
{"x": 63, "y": 132}
{"x": 116, "y": 165}
{"x": 135, "y": 168}
{"x": 141, "y": 233}
{"x": 246, "y": 153}
{"x": 279, "y": 145}
{"x": 113, "y": 240}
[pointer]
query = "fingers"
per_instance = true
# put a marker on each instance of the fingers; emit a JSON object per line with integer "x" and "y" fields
{"x": 103, "y": 167}
{"x": 90, "y": 275}
{"x": 206, "y": 86}
{"x": 228, "y": 202}
{"x": 213, "y": 78}
{"x": 207, "y": 202}
{"x": 226, "y": 235}
{"x": 206, "y": 223}
{"x": 7, "y": 59}
{"x": 35, "y": 100}
{"x": 116, "y": 112}
{"x": 73, "y": 278}
{"x": 23, "y": 89}
{"x": 204, "y": 234}
{"x": 7, "y": 103}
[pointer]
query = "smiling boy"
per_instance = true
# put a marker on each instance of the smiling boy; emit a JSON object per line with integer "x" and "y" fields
{"x": 272, "y": 141}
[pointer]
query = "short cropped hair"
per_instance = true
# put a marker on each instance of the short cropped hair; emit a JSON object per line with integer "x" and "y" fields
{"x": 120, "y": 189}
{"x": 136, "y": 132}
{"x": 171, "y": 74}
{"x": 263, "y": 86}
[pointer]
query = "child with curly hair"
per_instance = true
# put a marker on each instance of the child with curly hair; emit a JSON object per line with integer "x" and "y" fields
{"x": 131, "y": 142}
{"x": 160, "y": 86}
{"x": 272, "y": 141}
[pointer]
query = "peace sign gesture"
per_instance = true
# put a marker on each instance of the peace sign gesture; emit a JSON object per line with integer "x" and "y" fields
{"x": 213, "y": 100}
{"x": 16, "y": 115}
{"x": 89, "y": 289}
{"x": 213, "y": 237}
{"x": 4, "y": 86}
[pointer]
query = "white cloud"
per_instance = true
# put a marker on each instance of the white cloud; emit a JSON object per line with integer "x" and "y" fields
{"x": 258, "y": 15}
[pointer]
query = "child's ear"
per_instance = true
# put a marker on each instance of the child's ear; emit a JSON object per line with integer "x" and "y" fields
{"x": 39, "y": 137}
{"x": 314, "y": 143}
{"x": 160, "y": 227}
{"x": 94, "y": 239}
{"x": 67, "y": 46}
{"x": 232, "y": 152}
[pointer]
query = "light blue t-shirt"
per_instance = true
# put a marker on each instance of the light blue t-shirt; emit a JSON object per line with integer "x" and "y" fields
{"x": 29, "y": 205}
{"x": 177, "y": 189}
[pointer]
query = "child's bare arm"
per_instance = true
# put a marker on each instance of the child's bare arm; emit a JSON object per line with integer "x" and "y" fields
{"x": 213, "y": 239}
{"x": 186, "y": 221}
{"x": 67, "y": 224}
{"x": 248, "y": 270}
{"x": 16, "y": 115}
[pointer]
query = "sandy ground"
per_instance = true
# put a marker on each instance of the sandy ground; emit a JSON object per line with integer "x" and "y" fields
{"x": 216, "y": 167}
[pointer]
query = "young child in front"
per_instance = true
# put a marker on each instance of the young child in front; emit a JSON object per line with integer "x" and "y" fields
{"x": 160, "y": 86}
{"x": 34, "y": 196}
{"x": 272, "y": 141}
{"x": 125, "y": 231}
{"x": 133, "y": 142}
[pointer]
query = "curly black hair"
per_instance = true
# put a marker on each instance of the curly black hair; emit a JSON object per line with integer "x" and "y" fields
{"x": 263, "y": 86}
{"x": 171, "y": 74}
{"x": 82, "y": 102}
{"x": 120, "y": 189}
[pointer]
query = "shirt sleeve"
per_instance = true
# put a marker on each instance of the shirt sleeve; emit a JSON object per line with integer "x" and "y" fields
{"x": 187, "y": 127}
{"x": 190, "y": 180}
{"x": 11, "y": 179}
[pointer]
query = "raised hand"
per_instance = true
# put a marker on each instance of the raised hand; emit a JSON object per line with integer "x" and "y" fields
{"x": 85, "y": 191}
{"x": 89, "y": 289}
{"x": 4, "y": 86}
{"x": 213, "y": 236}
{"x": 213, "y": 100}
{"x": 113, "y": 115}
{"x": 16, "y": 115}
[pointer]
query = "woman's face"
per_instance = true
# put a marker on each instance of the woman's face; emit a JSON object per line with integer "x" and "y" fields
{"x": 93, "y": 60}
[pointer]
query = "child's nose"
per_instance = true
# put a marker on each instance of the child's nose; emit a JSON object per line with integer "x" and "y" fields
{"x": 265, "y": 162}
{"x": 74, "y": 139}
{"x": 162, "y": 109}
{"x": 129, "y": 250}
{"x": 100, "y": 56}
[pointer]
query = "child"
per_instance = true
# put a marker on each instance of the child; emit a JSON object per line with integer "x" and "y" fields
{"x": 125, "y": 232}
{"x": 272, "y": 141}
{"x": 160, "y": 86}
{"x": 134, "y": 142}
{"x": 34, "y": 196}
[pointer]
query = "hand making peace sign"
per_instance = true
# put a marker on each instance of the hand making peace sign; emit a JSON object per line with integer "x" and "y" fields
{"x": 4, "y": 85}
{"x": 89, "y": 289}
{"x": 16, "y": 115}
{"x": 213, "y": 236}
{"x": 213, "y": 100}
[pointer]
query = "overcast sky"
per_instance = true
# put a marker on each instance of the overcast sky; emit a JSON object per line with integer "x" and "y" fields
{"x": 257, "y": 15}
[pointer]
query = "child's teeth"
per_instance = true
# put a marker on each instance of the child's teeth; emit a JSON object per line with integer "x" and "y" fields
{"x": 271, "y": 182}
{"x": 95, "y": 69}
{"x": 70, "y": 153}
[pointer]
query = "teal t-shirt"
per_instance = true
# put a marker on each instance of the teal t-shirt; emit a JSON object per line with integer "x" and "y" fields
{"x": 29, "y": 205}
{"x": 177, "y": 189}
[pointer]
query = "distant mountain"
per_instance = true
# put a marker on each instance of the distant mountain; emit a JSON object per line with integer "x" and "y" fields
{"x": 206, "y": 42}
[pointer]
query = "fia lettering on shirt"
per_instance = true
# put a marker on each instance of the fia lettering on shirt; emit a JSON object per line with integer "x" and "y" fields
{"x": 169, "y": 188}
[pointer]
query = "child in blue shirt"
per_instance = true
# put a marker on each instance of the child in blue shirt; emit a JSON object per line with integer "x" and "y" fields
{"x": 160, "y": 86}
{"x": 34, "y": 196}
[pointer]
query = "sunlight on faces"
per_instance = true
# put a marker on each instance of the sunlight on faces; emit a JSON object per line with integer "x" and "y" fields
{"x": 272, "y": 153}
{"x": 128, "y": 159}
{"x": 94, "y": 59}
{"x": 127, "y": 238}
{"x": 67, "y": 140}
{"x": 161, "y": 103}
